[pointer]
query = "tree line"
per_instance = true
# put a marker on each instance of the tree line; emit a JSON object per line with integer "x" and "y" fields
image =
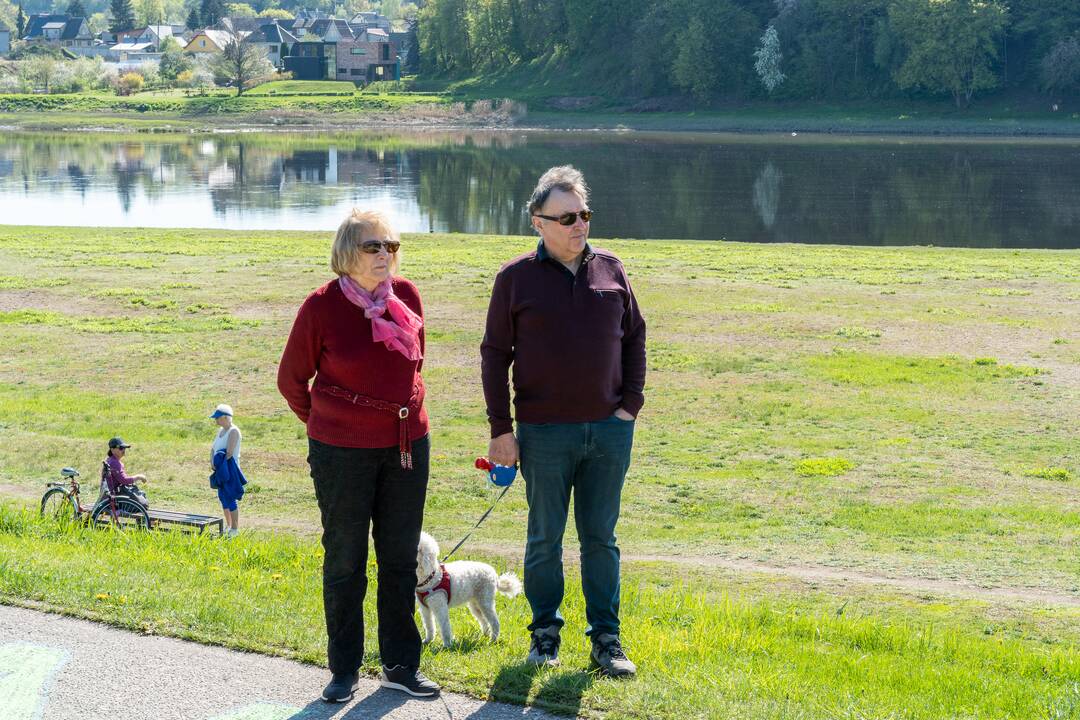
{"x": 713, "y": 50}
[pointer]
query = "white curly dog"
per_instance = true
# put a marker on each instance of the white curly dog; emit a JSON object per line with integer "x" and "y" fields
{"x": 440, "y": 587}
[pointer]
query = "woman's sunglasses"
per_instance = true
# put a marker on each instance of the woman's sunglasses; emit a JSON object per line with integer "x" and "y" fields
{"x": 568, "y": 218}
{"x": 373, "y": 246}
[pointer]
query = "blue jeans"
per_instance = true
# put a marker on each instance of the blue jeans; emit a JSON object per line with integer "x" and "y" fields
{"x": 591, "y": 459}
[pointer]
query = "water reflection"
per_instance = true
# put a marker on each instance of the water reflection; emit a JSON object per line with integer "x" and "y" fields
{"x": 850, "y": 191}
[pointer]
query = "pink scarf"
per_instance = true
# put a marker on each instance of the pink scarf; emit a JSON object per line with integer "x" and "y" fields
{"x": 402, "y": 331}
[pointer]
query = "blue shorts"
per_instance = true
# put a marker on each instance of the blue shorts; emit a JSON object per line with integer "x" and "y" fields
{"x": 228, "y": 502}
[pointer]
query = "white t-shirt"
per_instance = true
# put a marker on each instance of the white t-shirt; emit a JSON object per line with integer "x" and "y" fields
{"x": 221, "y": 442}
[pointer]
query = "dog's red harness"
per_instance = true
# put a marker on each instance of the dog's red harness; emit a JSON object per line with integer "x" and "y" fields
{"x": 443, "y": 586}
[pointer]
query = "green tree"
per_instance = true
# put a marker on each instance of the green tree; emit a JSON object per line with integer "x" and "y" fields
{"x": 76, "y": 9}
{"x": 951, "y": 45}
{"x": 489, "y": 28}
{"x": 411, "y": 61}
{"x": 123, "y": 16}
{"x": 193, "y": 22}
{"x": 276, "y": 14}
{"x": 173, "y": 61}
{"x": 444, "y": 36}
{"x": 149, "y": 12}
{"x": 714, "y": 55}
{"x": 240, "y": 10}
{"x": 20, "y": 22}
{"x": 210, "y": 11}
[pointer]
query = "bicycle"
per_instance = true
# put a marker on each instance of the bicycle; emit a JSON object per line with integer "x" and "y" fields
{"x": 63, "y": 502}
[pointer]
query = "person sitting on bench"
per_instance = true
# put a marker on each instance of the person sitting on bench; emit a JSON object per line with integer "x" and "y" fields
{"x": 115, "y": 479}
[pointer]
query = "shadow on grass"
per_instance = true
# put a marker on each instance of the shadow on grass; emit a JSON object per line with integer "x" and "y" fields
{"x": 560, "y": 691}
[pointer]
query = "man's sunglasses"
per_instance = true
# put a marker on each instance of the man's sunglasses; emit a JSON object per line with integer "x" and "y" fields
{"x": 373, "y": 246}
{"x": 568, "y": 218}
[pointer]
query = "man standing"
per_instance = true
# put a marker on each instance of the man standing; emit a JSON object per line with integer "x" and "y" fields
{"x": 565, "y": 317}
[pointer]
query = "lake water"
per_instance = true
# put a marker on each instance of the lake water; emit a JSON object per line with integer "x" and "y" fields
{"x": 775, "y": 188}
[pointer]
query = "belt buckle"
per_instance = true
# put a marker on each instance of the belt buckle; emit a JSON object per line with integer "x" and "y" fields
{"x": 403, "y": 413}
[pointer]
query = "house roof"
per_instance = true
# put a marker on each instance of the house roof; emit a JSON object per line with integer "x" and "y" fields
{"x": 220, "y": 38}
{"x": 130, "y": 47}
{"x": 270, "y": 33}
{"x": 72, "y": 29}
{"x": 322, "y": 26}
{"x": 36, "y": 22}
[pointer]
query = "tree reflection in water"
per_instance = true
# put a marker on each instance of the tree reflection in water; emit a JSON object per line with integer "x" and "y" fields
{"x": 651, "y": 185}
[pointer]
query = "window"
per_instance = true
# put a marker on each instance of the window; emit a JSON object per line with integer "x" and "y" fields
{"x": 356, "y": 71}
{"x": 358, "y": 51}
{"x": 341, "y": 71}
{"x": 379, "y": 70}
{"x": 386, "y": 52}
{"x": 202, "y": 43}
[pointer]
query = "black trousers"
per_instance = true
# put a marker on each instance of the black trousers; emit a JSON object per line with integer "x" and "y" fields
{"x": 358, "y": 488}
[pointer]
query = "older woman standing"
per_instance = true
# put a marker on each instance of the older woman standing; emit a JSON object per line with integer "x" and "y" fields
{"x": 361, "y": 337}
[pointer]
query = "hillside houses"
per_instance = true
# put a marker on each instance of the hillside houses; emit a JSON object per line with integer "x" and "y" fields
{"x": 312, "y": 46}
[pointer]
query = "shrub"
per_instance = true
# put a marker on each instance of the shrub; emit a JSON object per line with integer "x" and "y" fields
{"x": 130, "y": 82}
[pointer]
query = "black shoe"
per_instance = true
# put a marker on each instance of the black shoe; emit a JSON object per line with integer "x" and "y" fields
{"x": 409, "y": 680}
{"x": 607, "y": 654}
{"x": 544, "y": 648}
{"x": 341, "y": 687}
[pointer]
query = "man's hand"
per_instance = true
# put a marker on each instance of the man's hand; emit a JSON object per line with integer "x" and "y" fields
{"x": 623, "y": 415}
{"x": 503, "y": 450}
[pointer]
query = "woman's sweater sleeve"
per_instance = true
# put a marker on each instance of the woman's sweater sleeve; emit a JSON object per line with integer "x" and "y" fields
{"x": 300, "y": 361}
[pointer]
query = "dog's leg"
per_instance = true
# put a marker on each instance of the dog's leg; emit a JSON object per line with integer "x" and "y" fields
{"x": 488, "y": 609}
{"x": 437, "y": 601}
{"x": 429, "y": 623}
{"x": 478, "y": 613}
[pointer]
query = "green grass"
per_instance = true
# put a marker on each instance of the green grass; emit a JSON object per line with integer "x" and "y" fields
{"x": 864, "y": 410}
{"x": 704, "y": 652}
{"x": 304, "y": 87}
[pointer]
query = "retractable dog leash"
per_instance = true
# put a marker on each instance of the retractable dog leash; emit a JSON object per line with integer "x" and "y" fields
{"x": 499, "y": 476}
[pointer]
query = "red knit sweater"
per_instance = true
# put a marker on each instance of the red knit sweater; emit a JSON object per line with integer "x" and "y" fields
{"x": 331, "y": 341}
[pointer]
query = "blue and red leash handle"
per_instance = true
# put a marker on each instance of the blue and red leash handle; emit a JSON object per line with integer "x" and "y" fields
{"x": 499, "y": 476}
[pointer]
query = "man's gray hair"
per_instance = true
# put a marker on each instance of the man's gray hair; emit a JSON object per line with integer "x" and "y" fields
{"x": 564, "y": 177}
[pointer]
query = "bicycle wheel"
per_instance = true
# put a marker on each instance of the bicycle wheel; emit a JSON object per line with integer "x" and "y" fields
{"x": 129, "y": 514}
{"x": 56, "y": 504}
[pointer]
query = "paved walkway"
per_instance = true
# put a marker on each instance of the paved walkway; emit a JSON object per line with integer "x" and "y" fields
{"x": 58, "y": 668}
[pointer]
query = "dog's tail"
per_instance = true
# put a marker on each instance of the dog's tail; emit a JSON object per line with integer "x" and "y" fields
{"x": 508, "y": 584}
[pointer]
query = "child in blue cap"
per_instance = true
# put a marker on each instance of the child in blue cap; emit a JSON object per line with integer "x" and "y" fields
{"x": 224, "y": 459}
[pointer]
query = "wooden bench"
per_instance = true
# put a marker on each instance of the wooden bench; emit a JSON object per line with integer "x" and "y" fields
{"x": 186, "y": 519}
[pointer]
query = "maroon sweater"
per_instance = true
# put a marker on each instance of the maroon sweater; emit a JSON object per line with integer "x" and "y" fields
{"x": 331, "y": 341}
{"x": 577, "y": 342}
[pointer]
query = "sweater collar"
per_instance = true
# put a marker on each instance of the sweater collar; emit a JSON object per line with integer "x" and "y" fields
{"x": 542, "y": 253}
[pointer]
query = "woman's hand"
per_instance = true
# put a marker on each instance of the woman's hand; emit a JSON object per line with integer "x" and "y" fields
{"x": 503, "y": 450}
{"x": 623, "y": 415}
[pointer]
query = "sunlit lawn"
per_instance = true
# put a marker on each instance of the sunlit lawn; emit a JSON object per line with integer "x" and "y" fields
{"x": 904, "y": 413}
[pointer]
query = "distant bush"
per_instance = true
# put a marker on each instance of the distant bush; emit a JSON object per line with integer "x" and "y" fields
{"x": 129, "y": 83}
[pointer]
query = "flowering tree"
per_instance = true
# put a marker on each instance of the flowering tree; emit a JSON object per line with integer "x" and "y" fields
{"x": 767, "y": 60}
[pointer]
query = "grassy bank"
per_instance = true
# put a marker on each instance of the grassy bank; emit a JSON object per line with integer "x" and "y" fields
{"x": 468, "y": 103}
{"x": 705, "y": 652}
{"x": 902, "y": 417}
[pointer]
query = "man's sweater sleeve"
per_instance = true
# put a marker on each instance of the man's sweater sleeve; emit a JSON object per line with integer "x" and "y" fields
{"x": 633, "y": 355}
{"x": 300, "y": 362}
{"x": 496, "y": 355}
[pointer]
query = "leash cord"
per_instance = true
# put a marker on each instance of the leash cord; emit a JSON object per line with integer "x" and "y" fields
{"x": 478, "y": 522}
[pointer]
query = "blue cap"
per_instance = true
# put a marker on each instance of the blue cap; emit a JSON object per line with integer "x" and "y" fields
{"x": 222, "y": 410}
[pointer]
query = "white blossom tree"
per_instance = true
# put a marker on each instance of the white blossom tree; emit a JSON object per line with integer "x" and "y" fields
{"x": 767, "y": 59}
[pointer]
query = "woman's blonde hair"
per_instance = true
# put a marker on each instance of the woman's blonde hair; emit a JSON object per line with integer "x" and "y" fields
{"x": 351, "y": 233}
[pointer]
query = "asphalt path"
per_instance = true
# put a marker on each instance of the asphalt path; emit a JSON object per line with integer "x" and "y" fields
{"x": 58, "y": 668}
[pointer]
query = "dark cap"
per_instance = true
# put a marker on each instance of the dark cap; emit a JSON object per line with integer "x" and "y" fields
{"x": 118, "y": 443}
